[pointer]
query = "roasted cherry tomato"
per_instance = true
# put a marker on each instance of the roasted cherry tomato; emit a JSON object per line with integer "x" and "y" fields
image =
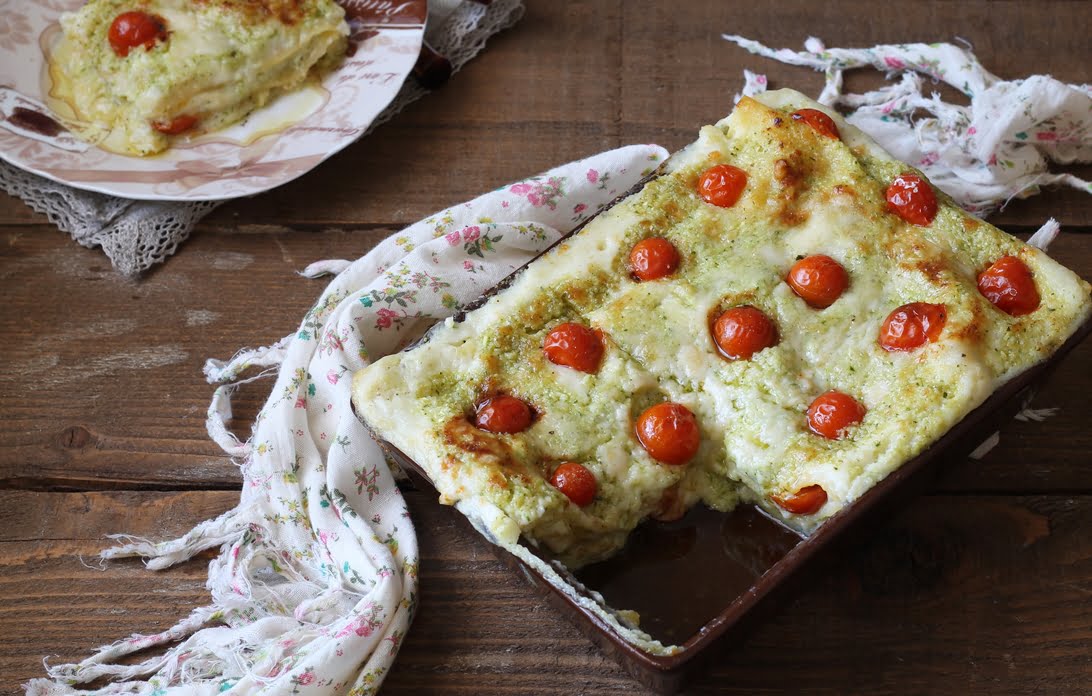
{"x": 818, "y": 280}
{"x": 831, "y": 413}
{"x": 132, "y": 29}
{"x": 722, "y": 185}
{"x": 912, "y": 326}
{"x": 503, "y": 414}
{"x": 576, "y": 482}
{"x": 823, "y": 124}
{"x": 653, "y": 258}
{"x": 740, "y": 332}
{"x": 912, "y": 198}
{"x": 669, "y": 433}
{"x": 574, "y": 345}
{"x": 805, "y": 501}
{"x": 178, "y": 124}
{"x": 1009, "y": 286}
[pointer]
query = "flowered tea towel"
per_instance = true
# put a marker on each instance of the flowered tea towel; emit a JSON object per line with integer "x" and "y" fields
{"x": 316, "y": 581}
{"x": 996, "y": 148}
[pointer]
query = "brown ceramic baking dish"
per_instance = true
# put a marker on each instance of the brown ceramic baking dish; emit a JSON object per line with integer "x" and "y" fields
{"x": 737, "y": 568}
{"x": 740, "y": 567}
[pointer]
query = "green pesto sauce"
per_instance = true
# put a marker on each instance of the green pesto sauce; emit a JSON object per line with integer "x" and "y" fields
{"x": 805, "y": 195}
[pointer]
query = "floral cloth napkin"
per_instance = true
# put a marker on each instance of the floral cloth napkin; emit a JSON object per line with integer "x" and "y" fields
{"x": 996, "y": 148}
{"x": 316, "y": 581}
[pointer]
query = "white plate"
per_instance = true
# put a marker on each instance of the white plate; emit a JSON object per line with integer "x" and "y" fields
{"x": 272, "y": 146}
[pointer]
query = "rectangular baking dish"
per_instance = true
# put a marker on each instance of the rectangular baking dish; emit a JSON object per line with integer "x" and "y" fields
{"x": 737, "y": 568}
{"x": 746, "y": 577}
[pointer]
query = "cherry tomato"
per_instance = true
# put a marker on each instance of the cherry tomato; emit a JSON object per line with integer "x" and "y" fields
{"x": 503, "y": 414}
{"x": 823, "y": 124}
{"x": 178, "y": 124}
{"x": 1009, "y": 286}
{"x": 132, "y": 29}
{"x": 722, "y": 185}
{"x": 653, "y": 258}
{"x": 912, "y": 326}
{"x": 831, "y": 413}
{"x": 819, "y": 280}
{"x": 669, "y": 433}
{"x": 912, "y": 198}
{"x": 740, "y": 332}
{"x": 574, "y": 345}
{"x": 576, "y": 482}
{"x": 805, "y": 501}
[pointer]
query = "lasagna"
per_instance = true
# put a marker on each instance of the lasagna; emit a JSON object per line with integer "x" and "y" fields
{"x": 138, "y": 73}
{"x": 782, "y": 316}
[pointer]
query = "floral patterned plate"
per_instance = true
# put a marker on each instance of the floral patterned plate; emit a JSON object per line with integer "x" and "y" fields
{"x": 272, "y": 146}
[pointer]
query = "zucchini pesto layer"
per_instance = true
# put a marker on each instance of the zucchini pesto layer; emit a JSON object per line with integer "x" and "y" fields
{"x": 783, "y": 317}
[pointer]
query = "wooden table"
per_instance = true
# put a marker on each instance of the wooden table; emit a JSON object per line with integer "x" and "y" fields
{"x": 982, "y": 586}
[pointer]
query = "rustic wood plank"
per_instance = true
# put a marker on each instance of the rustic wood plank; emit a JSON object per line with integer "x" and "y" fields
{"x": 60, "y": 603}
{"x": 115, "y": 396}
{"x": 562, "y": 85}
{"x": 462, "y": 583}
{"x": 108, "y": 371}
{"x": 679, "y": 74}
{"x": 560, "y": 68}
{"x": 1043, "y": 457}
{"x": 997, "y": 586}
{"x": 961, "y": 593}
{"x": 974, "y": 580}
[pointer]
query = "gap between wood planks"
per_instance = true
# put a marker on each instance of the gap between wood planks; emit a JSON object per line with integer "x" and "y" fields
{"x": 69, "y": 453}
{"x": 90, "y": 485}
{"x": 221, "y": 226}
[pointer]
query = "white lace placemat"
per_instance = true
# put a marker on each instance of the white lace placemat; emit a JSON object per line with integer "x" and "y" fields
{"x": 136, "y": 235}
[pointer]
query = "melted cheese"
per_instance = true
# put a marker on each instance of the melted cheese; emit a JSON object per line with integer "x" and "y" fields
{"x": 806, "y": 194}
{"x": 222, "y": 60}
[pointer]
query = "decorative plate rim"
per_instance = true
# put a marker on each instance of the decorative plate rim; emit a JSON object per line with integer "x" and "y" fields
{"x": 386, "y": 38}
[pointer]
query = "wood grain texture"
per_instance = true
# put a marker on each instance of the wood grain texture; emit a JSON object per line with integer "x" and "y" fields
{"x": 984, "y": 587}
{"x": 109, "y": 370}
{"x": 998, "y": 586}
{"x": 119, "y": 400}
{"x": 571, "y": 80}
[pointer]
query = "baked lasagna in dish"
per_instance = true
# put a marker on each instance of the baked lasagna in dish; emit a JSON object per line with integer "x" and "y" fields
{"x": 782, "y": 315}
{"x": 137, "y": 73}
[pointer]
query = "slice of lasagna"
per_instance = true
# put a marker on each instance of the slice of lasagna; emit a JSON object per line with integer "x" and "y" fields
{"x": 784, "y": 315}
{"x": 137, "y": 73}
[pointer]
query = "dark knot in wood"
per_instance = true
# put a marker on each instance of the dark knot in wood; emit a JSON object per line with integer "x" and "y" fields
{"x": 76, "y": 437}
